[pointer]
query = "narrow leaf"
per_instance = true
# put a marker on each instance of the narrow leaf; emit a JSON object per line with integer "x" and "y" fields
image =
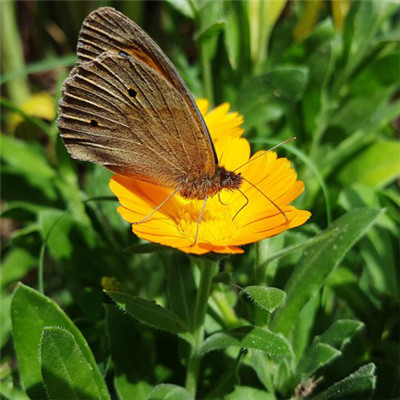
{"x": 358, "y": 385}
{"x": 247, "y": 392}
{"x": 167, "y": 391}
{"x": 130, "y": 355}
{"x": 249, "y": 336}
{"x": 151, "y": 313}
{"x": 376, "y": 166}
{"x": 66, "y": 373}
{"x": 269, "y": 298}
{"x": 318, "y": 263}
{"x": 181, "y": 290}
{"x": 339, "y": 333}
{"x": 318, "y": 356}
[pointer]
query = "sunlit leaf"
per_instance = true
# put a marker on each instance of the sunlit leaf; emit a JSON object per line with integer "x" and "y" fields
{"x": 30, "y": 313}
{"x": 151, "y": 313}
{"x": 167, "y": 391}
{"x": 376, "y": 166}
{"x": 249, "y": 336}
{"x": 66, "y": 372}
{"x": 358, "y": 385}
{"x": 268, "y": 298}
{"x": 318, "y": 262}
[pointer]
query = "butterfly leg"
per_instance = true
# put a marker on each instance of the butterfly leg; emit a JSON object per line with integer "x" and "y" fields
{"x": 198, "y": 220}
{"x": 243, "y": 206}
{"x": 157, "y": 208}
{"x": 219, "y": 198}
{"x": 271, "y": 201}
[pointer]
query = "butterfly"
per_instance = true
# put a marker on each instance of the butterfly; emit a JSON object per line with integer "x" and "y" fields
{"x": 124, "y": 106}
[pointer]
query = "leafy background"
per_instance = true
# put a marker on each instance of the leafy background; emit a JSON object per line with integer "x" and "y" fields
{"x": 313, "y": 312}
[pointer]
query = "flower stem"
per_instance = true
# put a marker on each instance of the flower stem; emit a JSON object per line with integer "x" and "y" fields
{"x": 12, "y": 57}
{"x": 207, "y": 75}
{"x": 208, "y": 270}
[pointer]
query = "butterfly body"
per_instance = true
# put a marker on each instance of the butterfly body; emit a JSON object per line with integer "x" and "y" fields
{"x": 203, "y": 187}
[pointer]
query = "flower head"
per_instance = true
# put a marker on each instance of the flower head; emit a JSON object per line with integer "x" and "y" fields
{"x": 233, "y": 218}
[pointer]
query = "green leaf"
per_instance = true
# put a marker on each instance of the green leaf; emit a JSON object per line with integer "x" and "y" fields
{"x": 181, "y": 290}
{"x": 262, "y": 18}
{"x": 16, "y": 265}
{"x": 249, "y": 336}
{"x": 303, "y": 330}
{"x": 167, "y": 391}
{"x": 346, "y": 284}
{"x": 376, "y": 166}
{"x": 60, "y": 227}
{"x": 339, "y": 333}
{"x": 247, "y": 392}
{"x": 270, "y": 91}
{"x": 381, "y": 72}
{"x": 30, "y": 313}
{"x": 228, "y": 379}
{"x": 10, "y": 390}
{"x": 318, "y": 356}
{"x": 211, "y": 22}
{"x": 319, "y": 262}
{"x": 269, "y": 298}
{"x": 44, "y": 65}
{"x": 5, "y": 317}
{"x": 130, "y": 355}
{"x": 27, "y": 157}
{"x": 210, "y": 31}
{"x": 358, "y": 385}
{"x": 151, "y": 313}
{"x": 264, "y": 369}
{"x": 29, "y": 161}
{"x": 183, "y": 6}
{"x": 66, "y": 372}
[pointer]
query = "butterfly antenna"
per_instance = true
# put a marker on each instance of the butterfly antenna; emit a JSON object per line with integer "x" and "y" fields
{"x": 271, "y": 201}
{"x": 243, "y": 206}
{"x": 157, "y": 208}
{"x": 265, "y": 152}
{"x": 198, "y": 221}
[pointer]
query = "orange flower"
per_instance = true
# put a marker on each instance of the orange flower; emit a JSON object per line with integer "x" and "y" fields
{"x": 222, "y": 229}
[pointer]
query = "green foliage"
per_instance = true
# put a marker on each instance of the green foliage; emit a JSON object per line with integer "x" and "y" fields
{"x": 318, "y": 301}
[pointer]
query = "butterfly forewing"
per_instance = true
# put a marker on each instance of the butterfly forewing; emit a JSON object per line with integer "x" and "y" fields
{"x": 108, "y": 30}
{"x": 121, "y": 113}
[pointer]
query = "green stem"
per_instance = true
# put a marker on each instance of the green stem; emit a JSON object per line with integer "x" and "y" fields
{"x": 208, "y": 270}
{"x": 12, "y": 58}
{"x": 207, "y": 74}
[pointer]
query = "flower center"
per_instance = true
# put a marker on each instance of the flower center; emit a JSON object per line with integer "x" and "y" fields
{"x": 215, "y": 224}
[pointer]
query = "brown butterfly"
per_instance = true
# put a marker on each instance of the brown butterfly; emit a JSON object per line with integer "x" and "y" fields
{"x": 125, "y": 106}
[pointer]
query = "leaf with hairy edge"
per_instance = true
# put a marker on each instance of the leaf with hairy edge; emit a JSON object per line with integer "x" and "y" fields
{"x": 130, "y": 353}
{"x": 316, "y": 357}
{"x": 269, "y": 298}
{"x": 319, "y": 262}
{"x": 167, "y": 391}
{"x": 66, "y": 373}
{"x": 30, "y": 313}
{"x": 151, "y": 313}
{"x": 327, "y": 346}
{"x": 358, "y": 385}
{"x": 249, "y": 336}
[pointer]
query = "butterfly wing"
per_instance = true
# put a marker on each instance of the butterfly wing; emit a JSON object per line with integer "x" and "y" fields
{"x": 108, "y": 32}
{"x": 121, "y": 113}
